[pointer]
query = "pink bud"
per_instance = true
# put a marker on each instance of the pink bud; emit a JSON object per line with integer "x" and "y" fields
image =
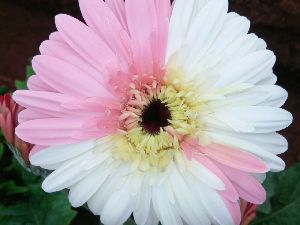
{"x": 248, "y": 211}
{"x": 9, "y": 111}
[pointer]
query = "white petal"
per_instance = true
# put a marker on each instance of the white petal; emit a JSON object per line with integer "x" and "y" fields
{"x": 213, "y": 204}
{"x": 205, "y": 175}
{"x": 53, "y": 166}
{"x": 189, "y": 208}
{"x": 270, "y": 78}
{"x": 182, "y": 14}
{"x": 249, "y": 69}
{"x": 152, "y": 219}
{"x": 95, "y": 158}
{"x": 113, "y": 183}
{"x": 58, "y": 154}
{"x": 224, "y": 123}
{"x": 263, "y": 119}
{"x": 271, "y": 142}
{"x": 234, "y": 27}
{"x": 165, "y": 211}
{"x": 204, "y": 29}
{"x": 275, "y": 163}
{"x": 84, "y": 189}
{"x": 65, "y": 176}
{"x": 142, "y": 209}
{"x": 263, "y": 95}
{"x": 118, "y": 208}
{"x": 136, "y": 182}
{"x": 239, "y": 48}
{"x": 261, "y": 177}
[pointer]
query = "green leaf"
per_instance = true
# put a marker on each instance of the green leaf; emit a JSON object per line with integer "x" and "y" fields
{"x": 29, "y": 71}
{"x": 1, "y": 150}
{"x": 32, "y": 206}
{"x": 270, "y": 187}
{"x": 27, "y": 177}
{"x": 41, "y": 209}
{"x": 284, "y": 199}
{"x": 1, "y": 136}
{"x": 50, "y": 209}
{"x": 10, "y": 187}
{"x": 3, "y": 90}
{"x": 22, "y": 85}
{"x": 130, "y": 222}
{"x": 17, "y": 154}
{"x": 15, "y": 210}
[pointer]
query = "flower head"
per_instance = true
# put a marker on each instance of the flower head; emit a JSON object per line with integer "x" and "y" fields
{"x": 9, "y": 111}
{"x": 169, "y": 113}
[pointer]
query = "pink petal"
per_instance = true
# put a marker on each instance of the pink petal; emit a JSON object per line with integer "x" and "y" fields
{"x": 29, "y": 114}
{"x": 234, "y": 209}
{"x": 58, "y": 131}
{"x": 36, "y": 149}
{"x": 188, "y": 150}
{"x": 86, "y": 43}
{"x": 49, "y": 103}
{"x": 246, "y": 185}
{"x": 51, "y": 131}
{"x": 235, "y": 158}
{"x": 118, "y": 8}
{"x": 36, "y": 84}
{"x": 144, "y": 27}
{"x": 102, "y": 20}
{"x": 141, "y": 19}
{"x": 163, "y": 8}
{"x": 55, "y": 36}
{"x": 95, "y": 104}
{"x": 64, "y": 52}
{"x": 39, "y": 130}
{"x": 230, "y": 192}
{"x": 93, "y": 134}
{"x": 69, "y": 80}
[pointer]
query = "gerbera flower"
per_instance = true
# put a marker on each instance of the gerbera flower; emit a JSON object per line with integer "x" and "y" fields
{"x": 167, "y": 113}
{"x": 9, "y": 111}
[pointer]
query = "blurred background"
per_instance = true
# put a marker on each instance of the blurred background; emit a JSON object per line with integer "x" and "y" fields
{"x": 24, "y": 24}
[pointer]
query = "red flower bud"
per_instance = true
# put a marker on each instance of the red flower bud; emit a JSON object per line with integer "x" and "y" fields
{"x": 9, "y": 111}
{"x": 248, "y": 211}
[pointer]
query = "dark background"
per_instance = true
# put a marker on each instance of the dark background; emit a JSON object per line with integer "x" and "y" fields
{"x": 24, "y": 24}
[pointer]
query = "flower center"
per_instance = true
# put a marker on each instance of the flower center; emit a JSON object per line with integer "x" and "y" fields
{"x": 156, "y": 115}
{"x": 154, "y": 120}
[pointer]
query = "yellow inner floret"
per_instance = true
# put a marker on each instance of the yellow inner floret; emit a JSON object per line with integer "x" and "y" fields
{"x": 145, "y": 149}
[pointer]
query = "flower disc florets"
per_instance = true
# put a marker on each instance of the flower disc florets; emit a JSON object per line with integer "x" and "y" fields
{"x": 153, "y": 122}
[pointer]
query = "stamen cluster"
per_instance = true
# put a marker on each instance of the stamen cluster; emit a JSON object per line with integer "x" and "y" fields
{"x": 154, "y": 121}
